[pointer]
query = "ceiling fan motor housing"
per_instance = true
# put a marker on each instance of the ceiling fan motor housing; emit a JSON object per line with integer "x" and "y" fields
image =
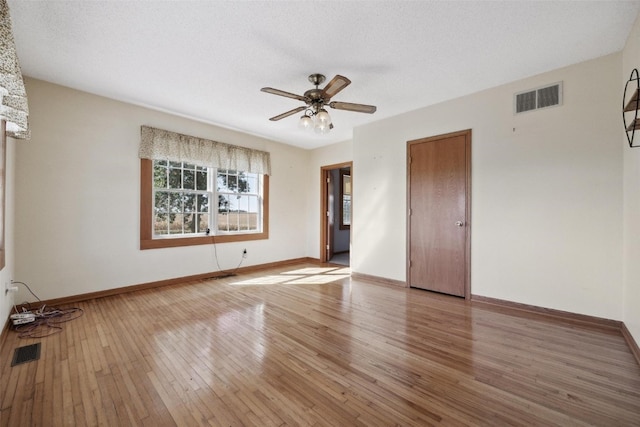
{"x": 314, "y": 98}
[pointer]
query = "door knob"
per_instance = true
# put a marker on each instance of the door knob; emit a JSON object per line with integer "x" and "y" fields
{"x": 459, "y": 223}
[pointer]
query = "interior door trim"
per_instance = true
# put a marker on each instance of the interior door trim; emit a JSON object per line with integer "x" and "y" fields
{"x": 467, "y": 255}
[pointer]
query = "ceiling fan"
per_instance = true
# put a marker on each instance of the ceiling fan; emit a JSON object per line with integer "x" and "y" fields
{"x": 316, "y": 116}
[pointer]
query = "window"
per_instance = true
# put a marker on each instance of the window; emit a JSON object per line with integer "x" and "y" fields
{"x": 345, "y": 197}
{"x": 181, "y": 194}
{"x": 177, "y": 207}
{"x": 239, "y": 202}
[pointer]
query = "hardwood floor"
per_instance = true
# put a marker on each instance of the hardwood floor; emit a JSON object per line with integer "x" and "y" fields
{"x": 312, "y": 347}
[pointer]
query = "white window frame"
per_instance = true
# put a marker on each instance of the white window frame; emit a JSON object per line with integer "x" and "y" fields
{"x": 257, "y": 195}
{"x": 213, "y": 193}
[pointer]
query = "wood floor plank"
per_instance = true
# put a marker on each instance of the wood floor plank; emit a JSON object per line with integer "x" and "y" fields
{"x": 298, "y": 346}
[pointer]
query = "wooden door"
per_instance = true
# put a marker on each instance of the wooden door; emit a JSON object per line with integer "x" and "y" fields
{"x": 439, "y": 213}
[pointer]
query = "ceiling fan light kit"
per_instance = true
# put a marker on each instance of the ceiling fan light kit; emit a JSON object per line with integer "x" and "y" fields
{"x": 306, "y": 122}
{"x": 316, "y": 117}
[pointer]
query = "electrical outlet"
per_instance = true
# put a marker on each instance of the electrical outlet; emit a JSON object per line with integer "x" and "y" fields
{"x": 9, "y": 288}
{"x": 244, "y": 253}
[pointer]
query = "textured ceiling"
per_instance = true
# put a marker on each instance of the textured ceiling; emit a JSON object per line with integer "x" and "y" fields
{"x": 208, "y": 59}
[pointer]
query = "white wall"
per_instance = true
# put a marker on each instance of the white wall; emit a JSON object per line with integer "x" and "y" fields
{"x": 631, "y": 60}
{"x": 6, "y": 301}
{"x": 78, "y": 197}
{"x": 546, "y": 191}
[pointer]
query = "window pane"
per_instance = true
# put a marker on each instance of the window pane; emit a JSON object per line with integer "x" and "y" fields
{"x": 162, "y": 202}
{"x": 346, "y": 184}
{"x": 346, "y": 210}
{"x": 175, "y": 203}
{"x": 243, "y": 182}
{"x": 223, "y": 221}
{"x": 175, "y": 227}
{"x": 222, "y": 182}
{"x": 233, "y": 203}
{"x": 252, "y": 213}
{"x": 201, "y": 180}
{"x": 161, "y": 225}
{"x": 159, "y": 176}
{"x": 248, "y": 223}
{"x": 203, "y": 222}
{"x": 242, "y": 205}
{"x": 252, "y": 183}
{"x": 253, "y": 204}
{"x": 175, "y": 178}
{"x": 232, "y": 182}
{"x": 189, "y": 203}
{"x": 203, "y": 203}
{"x": 189, "y": 180}
{"x": 189, "y": 223}
{"x": 223, "y": 203}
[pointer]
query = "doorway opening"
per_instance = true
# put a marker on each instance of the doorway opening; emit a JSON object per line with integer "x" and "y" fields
{"x": 335, "y": 210}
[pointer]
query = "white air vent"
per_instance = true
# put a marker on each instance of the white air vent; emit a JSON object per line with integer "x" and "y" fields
{"x": 534, "y": 99}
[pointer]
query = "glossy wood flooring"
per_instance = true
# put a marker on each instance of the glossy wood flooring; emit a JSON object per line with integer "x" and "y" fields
{"x": 309, "y": 346}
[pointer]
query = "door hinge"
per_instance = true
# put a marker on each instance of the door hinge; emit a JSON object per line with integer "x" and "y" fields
{"x": 327, "y": 247}
{"x": 328, "y": 214}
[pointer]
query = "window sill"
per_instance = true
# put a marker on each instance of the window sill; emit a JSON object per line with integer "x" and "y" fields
{"x": 200, "y": 240}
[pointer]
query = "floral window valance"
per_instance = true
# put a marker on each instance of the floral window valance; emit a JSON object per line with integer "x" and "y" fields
{"x": 13, "y": 97}
{"x": 159, "y": 144}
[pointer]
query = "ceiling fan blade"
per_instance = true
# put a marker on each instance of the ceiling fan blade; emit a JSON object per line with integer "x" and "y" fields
{"x": 287, "y": 114}
{"x": 358, "y": 108}
{"x": 334, "y": 86}
{"x": 283, "y": 93}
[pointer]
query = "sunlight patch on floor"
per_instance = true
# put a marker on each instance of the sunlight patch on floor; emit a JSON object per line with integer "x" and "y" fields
{"x": 266, "y": 280}
{"x": 318, "y": 279}
{"x": 312, "y": 270}
{"x": 303, "y": 276}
